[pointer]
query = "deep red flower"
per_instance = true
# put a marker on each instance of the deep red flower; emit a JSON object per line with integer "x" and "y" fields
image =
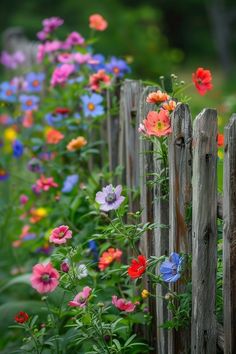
{"x": 202, "y": 79}
{"x": 21, "y": 317}
{"x": 61, "y": 110}
{"x": 138, "y": 267}
{"x": 220, "y": 140}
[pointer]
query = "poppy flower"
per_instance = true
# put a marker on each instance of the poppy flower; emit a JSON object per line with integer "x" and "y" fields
{"x": 81, "y": 299}
{"x": 21, "y": 317}
{"x": 202, "y": 79}
{"x": 138, "y": 267}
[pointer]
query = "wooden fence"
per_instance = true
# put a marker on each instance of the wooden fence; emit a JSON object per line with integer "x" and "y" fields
{"x": 192, "y": 161}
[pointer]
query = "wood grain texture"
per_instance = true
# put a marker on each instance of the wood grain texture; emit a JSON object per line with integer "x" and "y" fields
{"x": 204, "y": 233}
{"x": 229, "y": 237}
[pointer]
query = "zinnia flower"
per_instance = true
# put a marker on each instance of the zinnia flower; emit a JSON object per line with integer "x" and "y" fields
{"x": 81, "y": 299}
{"x": 110, "y": 198}
{"x": 158, "y": 123}
{"x": 138, "y": 267}
{"x": 21, "y": 317}
{"x": 97, "y": 22}
{"x": 108, "y": 257}
{"x": 157, "y": 97}
{"x": 77, "y": 143}
{"x": 123, "y": 305}
{"x": 53, "y": 136}
{"x": 44, "y": 278}
{"x": 99, "y": 80}
{"x": 202, "y": 79}
{"x": 170, "y": 269}
{"x": 60, "y": 235}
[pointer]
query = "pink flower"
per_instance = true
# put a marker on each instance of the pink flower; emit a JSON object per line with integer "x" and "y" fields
{"x": 97, "y": 22}
{"x": 74, "y": 38}
{"x": 50, "y": 24}
{"x": 44, "y": 278}
{"x": 81, "y": 299}
{"x": 60, "y": 235}
{"x": 158, "y": 123}
{"x": 61, "y": 74}
{"x": 40, "y": 53}
{"x": 123, "y": 305}
{"x": 65, "y": 58}
{"x": 44, "y": 183}
{"x": 99, "y": 80}
{"x": 23, "y": 199}
{"x": 42, "y": 35}
{"x": 82, "y": 58}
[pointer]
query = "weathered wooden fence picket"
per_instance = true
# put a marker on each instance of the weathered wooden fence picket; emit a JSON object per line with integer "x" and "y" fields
{"x": 189, "y": 212}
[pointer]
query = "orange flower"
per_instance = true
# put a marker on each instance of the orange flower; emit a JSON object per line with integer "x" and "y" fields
{"x": 158, "y": 124}
{"x": 202, "y": 79}
{"x": 77, "y": 143}
{"x": 220, "y": 140}
{"x": 108, "y": 257}
{"x": 157, "y": 97}
{"x": 169, "y": 105}
{"x": 97, "y": 22}
{"x": 53, "y": 136}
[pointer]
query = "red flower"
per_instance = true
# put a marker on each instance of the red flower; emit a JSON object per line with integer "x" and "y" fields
{"x": 202, "y": 80}
{"x": 62, "y": 110}
{"x": 138, "y": 267}
{"x": 21, "y": 317}
{"x": 220, "y": 140}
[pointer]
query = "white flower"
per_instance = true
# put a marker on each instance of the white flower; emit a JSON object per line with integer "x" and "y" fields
{"x": 82, "y": 271}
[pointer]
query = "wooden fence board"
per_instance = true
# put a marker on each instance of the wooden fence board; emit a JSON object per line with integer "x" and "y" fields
{"x": 204, "y": 233}
{"x": 229, "y": 238}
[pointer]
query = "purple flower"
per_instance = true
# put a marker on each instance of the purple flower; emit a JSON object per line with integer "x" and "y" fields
{"x": 35, "y": 165}
{"x": 69, "y": 183}
{"x": 170, "y": 269}
{"x": 53, "y": 119}
{"x": 34, "y": 81}
{"x": 110, "y": 198}
{"x": 74, "y": 38}
{"x": 7, "y": 92}
{"x": 18, "y": 148}
{"x": 117, "y": 67}
{"x": 50, "y": 24}
{"x": 4, "y": 175}
{"x": 29, "y": 103}
{"x": 12, "y": 61}
{"x": 97, "y": 62}
{"x": 92, "y": 106}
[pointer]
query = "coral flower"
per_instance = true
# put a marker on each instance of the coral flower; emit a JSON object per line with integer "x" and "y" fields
{"x": 157, "y": 97}
{"x": 44, "y": 183}
{"x": 76, "y": 144}
{"x": 108, "y": 257}
{"x": 220, "y": 140}
{"x": 99, "y": 80}
{"x": 97, "y": 22}
{"x": 44, "y": 278}
{"x": 81, "y": 299}
{"x": 60, "y": 235}
{"x": 21, "y": 317}
{"x": 53, "y": 136}
{"x": 202, "y": 79}
{"x": 110, "y": 198}
{"x": 123, "y": 305}
{"x": 169, "y": 105}
{"x": 158, "y": 123}
{"x": 138, "y": 267}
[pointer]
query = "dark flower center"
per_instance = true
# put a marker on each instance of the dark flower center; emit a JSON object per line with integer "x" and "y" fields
{"x": 46, "y": 278}
{"x": 110, "y": 198}
{"x": 174, "y": 270}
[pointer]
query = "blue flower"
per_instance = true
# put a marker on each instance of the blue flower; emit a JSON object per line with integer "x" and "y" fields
{"x": 34, "y": 81}
{"x": 92, "y": 106}
{"x": 53, "y": 119}
{"x": 4, "y": 175}
{"x": 99, "y": 62}
{"x": 69, "y": 183}
{"x": 117, "y": 67}
{"x": 7, "y": 92}
{"x": 93, "y": 249}
{"x": 18, "y": 148}
{"x": 29, "y": 103}
{"x": 170, "y": 269}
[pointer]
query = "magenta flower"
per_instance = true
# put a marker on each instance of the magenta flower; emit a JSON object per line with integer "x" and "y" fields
{"x": 82, "y": 58}
{"x": 60, "y": 235}
{"x": 61, "y": 74}
{"x": 23, "y": 199}
{"x": 50, "y": 24}
{"x": 81, "y": 299}
{"x": 44, "y": 278}
{"x": 123, "y": 305}
{"x": 110, "y": 198}
{"x": 74, "y": 38}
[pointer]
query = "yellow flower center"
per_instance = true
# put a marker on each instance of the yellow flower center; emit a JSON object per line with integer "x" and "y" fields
{"x": 9, "y": 92}
{"x": 91, "y": 106}
{"x": 116, "y": 70}
{"x": 159, "y": 125}
{"x": 35, "y": 83}
{"x": 28, "y": 103}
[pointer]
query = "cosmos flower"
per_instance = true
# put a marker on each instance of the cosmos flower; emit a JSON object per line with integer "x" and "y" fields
{"x": 61, "y": 74}
{"x": 117, "y": 67}
{"x": 44, "y": 278}
{"x": 34, "y": 81}
{"x": 29, "y": 102}
{"x": 92, "y": 105}
{"x": 170, "y": 269}
{"x": 123, "y": 304}
{"x": 7, "y": 92}
{"x": 74, "y": 38}
{"x": 81, "y": 299}
{"x": 110, "y": 198}
{"x": 203, "y": 80}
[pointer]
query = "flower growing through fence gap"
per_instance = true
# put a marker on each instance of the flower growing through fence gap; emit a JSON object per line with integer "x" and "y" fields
{"x": 21, "y": 317}
{"x": 76, "y": 144}
{"x": 170, "y": 269}
{"x": 124, "y": 305}
{"x": 99, "y": 80}
{"x": 81, "y": 299}
{"x": 157, "y": 123}
{"x": 220, "y": 140}
{"x": 203, "y": 80}
{"x": 44, "y": 278}
{"x": 60, "y": 235}
{"x": 157, "y": 97}
{"x": 97, "y": 22}
{"x": 110, "y": 198}
{"x": 108, "y": 257}
{"x": 137, "y": 267}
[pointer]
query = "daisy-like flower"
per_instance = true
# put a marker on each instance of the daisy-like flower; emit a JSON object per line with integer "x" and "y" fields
{"x": 34, "y": 81}
{"x": 60, "y": 235}
{"x": 97, "y": 22}
{"x": 158, "y": 123}
{"x": 92, "y": 105}
{"x": 8, "y": 92}
{"x": 76, "y": 144}
{"x": 170, "y": 269}
{"x": 117, "y": 67}
{"x": 99, "y": 80}
{"x": 44, "y": 278}
{"x": 110, "y": 198}
{"x": 137, "y": 267}
{"x": 157, "y": 97}
{"x": 109, "y": 257}
{"x": 81, "y": 299}
{"x": 203, "y": 80}
{"x": 123, "y": 304}
{"x": 29, "y": 103}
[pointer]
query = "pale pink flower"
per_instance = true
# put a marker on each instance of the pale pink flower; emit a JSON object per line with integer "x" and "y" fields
{"x": 97, "y": 22}
{"x": 81, "y": 299}
{"x": 44, "y": 278}
{"x": 82, "y": 58}
{"x": 52, "y": 46}
{"x": 60, "y": 235}
{"x": 61, "y": 74}
{"x": 65, "y": 58}
{"x": 123, "y": 305}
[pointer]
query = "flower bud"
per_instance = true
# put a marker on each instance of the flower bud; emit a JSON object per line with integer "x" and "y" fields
{"x": 65, "y": 267}
{"x": 145, "y": 293}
